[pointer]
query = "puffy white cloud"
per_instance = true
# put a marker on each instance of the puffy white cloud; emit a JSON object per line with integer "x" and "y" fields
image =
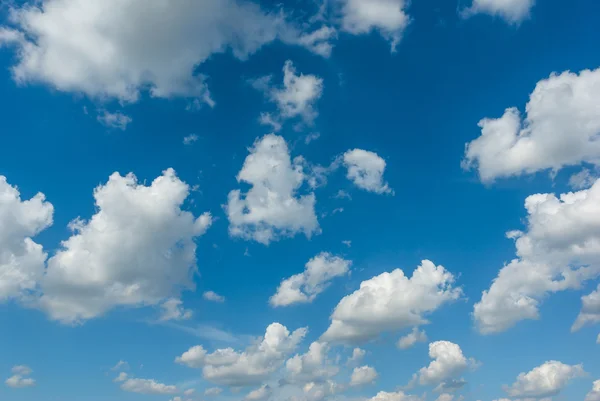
{"x": 546, "y": 380}
{"x": 213, "y": 391}
{"x": 261, "y": 393}
{"x": 213, "y": 296}
{"x": 18, "y": 381}
{"x": 448, "y": 363}
{"x": 115, "y": 120}
{"x": 594, "y": 394}
{"x": 172, "y": 309}
{"x": 144, "y": 386}
{"x": 271, "y": 209}
{"x": 138, "y": 249}
{"x": 590, "y": 311}
{"x": 398, "y": 396}
{"x": 314, "y": 391}
{"x": 388, "y": 17}
{"x": 311, "y": 366}
{"x": 317, "y": 275}
{"x": 250, "y": 367}
{"x": 560, "y": 250}
{"x": 559, "y": 129}
{"x": 296, "y": 98}
{"x": 21, "y": 259}
{"x": 363, "y": 375}
{"x": 117, "y": 55}
{"x": 512, "y": 11}
{"x": 412, "y": 338}
{"x": 365, "y": 170}
{"x": 377, "y": 307}
{"x": 357, "y": 355}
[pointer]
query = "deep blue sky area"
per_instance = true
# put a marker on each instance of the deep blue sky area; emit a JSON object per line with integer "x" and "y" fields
{"x": 415, "y": 108}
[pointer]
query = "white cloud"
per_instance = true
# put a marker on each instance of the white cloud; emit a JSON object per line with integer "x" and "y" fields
{"x": 22, "y": 370}
{"x": 213, "y": 391}
{"x": 559, "y": 129}
{"x": 268, "y": 119}
{"x": 311, "y": 137}
{"x": 376, "y": 307}
{"x": 398, "y": 396}
{"x": 546, "y": 380}
{"x": 365, "y": 170}
{"x": 318, "y": 391}
{"x": 313, "y": 366}
{"x": 250, "y": 367}
{"x": 189, "y": 391}
{"x": 18, "y": 381}
{"x": 412, "y": 338}
{"x": 213, "y": 296}
{"x": 357, "y": 355}
{"x": 512, "y": 11}
{"x": 296, "y": 98}
{"x": 121, "y": 365}
{"x": 590, "y": 310}
{"x": 21, "y": 259}
{"x": 317, "y": 275}
{"x": 172, "y": 309}
{"x": 144, "y": 386}
{"x": 271, "y": 209}
{"x": 388, "y": 17}
{"x": 559, "y": 250}
{"x": 138, "y": 249}
{"x": 261, "y": 393}
{"x": 118, "y": 55}
{"x": 448, "y": 363}
{"x": 583, "y": 179}
{"x": 190, "y": 139}
{"x": 594, "y": 394}
{"x": 445, "y": 397}
{"x": 363, "y": 375}
{"x": 115, "y": 120}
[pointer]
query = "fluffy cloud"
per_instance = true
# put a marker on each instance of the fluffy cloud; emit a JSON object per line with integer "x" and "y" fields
{"x": 560, "y": 250}
{"x": 559, "y": 130}
{"x": 19, "y": 379}
{"x": 311, "y": 366}
{"x": 260, "y": 393}
{"x": 388, "y": 17}
{"x": 376, "y": 306}
{"x": 115, "y": 120}
{"x": 172, "y": 309}
{"x": 271, "y": 209}
{"x": 304, "y": 287}
{"x": 138, "y": 249}
{"x": 412, "y": 338}
{"x": 213, "y": 391}
{"x": 117, "y": 55}
{"x": 398, "y": 396}
{"x": 546, "y": 380}
{"x": 213, "y": 296}
{"x": 296, "y": 98}
{"x": 594, "y": 394}
{"x": 363, "y": 375}
{"x": 250, "y": 367}
{"x": 357, "y": 355}
{"x": 21, "y": 259}
{"x": 144, "y": 386}
{"x": 365, "y": 170}
{"x": 512, "y": 11}
{"x": 590, "y": 311}
{"x": 448, "y": 363}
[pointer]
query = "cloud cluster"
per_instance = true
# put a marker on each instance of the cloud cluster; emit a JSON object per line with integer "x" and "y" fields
{"x": 20, "y": 377}
{"x": 546, "y": 380}
{"x": 448, "y": 363}
{"x": 144, "y": 386}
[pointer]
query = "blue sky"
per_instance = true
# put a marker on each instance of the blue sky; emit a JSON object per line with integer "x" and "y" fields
{"x": 404, "y": 137}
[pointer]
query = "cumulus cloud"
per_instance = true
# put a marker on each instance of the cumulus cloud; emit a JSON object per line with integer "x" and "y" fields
{"x": 590, "y": 310}
{"x": 317, "y": 275}
{"x": 363, "y": 375}
{"x": 138, "y": 249}
{"x": 559, "y": 129}
{"x": 388, "y": 17}
{"x": 365, "y": 170}
{"x": 116, "y": 120}
{"x": 118, "y": 55}
{"x": 213, "y": 391}
{"x": 250, "y": 367}
{"x": 376, "y": 306}
{"x": 313, "y": 366}
{"x": 412, "y": 338}
{"x": 448, "y": 363}
{"x": 594, "y": 394}
{"x": 512, "y": 11}
{"x": 297, "y": 96}
{"x": 398, "y": 396}
{"x": 19, "y": 378}
{"x": 21, "y": 259}
{"x": 272, "y": 208}
{"x": 261, "y": 393}
{"x": 546, "y": 380}
{"x": 144, "y": 386}
{"x": 583, "y": 179}
{"x": 172, "y": 309}
{"x": 559, "y": 250}
{"x": 213, "y": 296}
{"x": 357, "y": 355}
